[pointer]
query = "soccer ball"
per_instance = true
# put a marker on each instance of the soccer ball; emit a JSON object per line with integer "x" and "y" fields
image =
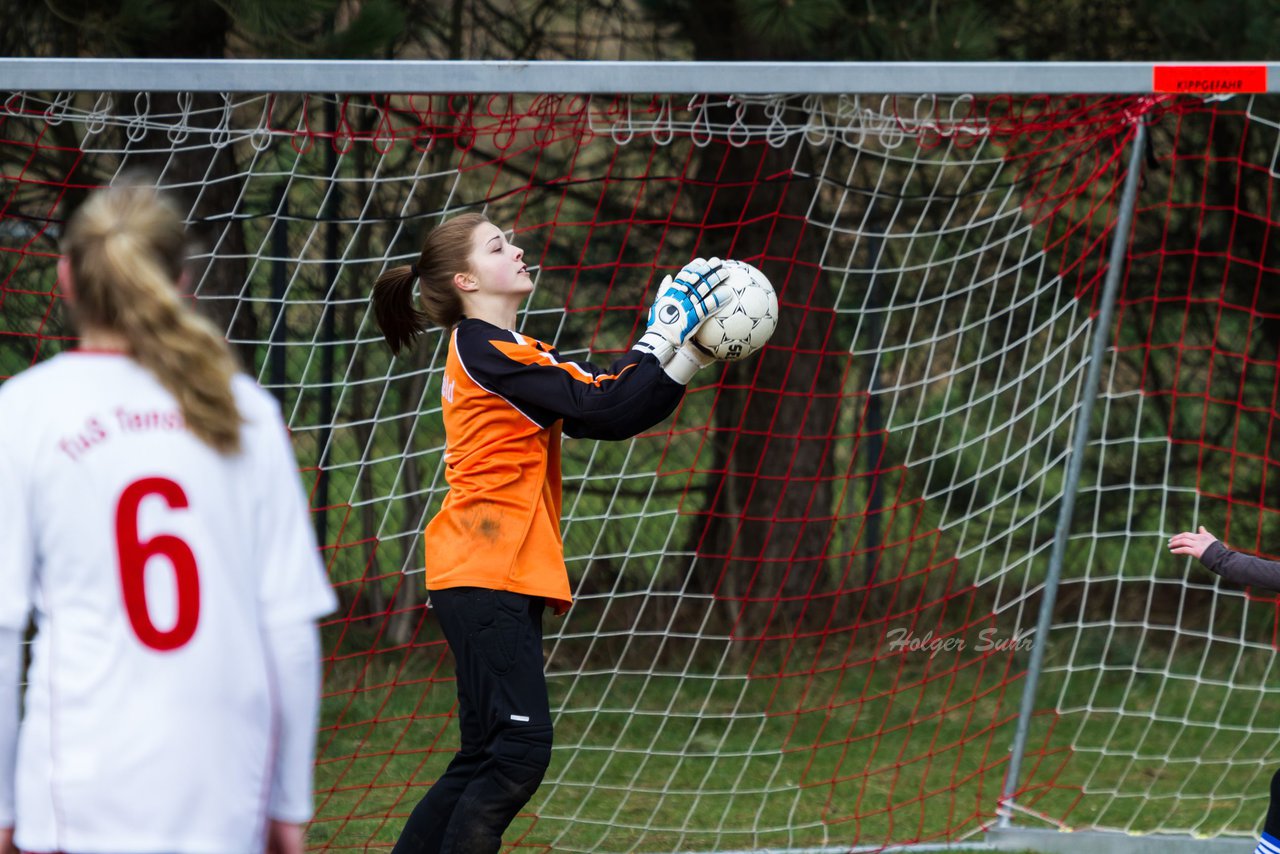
{"x": 742, "y": 325}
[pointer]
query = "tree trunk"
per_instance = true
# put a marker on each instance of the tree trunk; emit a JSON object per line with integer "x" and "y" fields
{"x": 764, "y": 534}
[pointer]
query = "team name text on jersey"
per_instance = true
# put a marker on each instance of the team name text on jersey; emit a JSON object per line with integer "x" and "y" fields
{"x": 97, "y": 430}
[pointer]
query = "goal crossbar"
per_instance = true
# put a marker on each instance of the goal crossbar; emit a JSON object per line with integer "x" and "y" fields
{"x": 590, "y": 77}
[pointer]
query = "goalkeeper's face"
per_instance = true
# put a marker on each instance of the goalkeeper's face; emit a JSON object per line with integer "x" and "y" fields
{"x": 497, "y": 265}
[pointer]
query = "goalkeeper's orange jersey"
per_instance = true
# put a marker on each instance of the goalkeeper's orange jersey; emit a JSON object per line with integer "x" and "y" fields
{"x": 506, "y": 398}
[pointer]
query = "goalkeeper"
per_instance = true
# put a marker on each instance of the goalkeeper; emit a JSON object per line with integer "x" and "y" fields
{"x": 494, "y": 557}
{"x": 1248, "y": 571}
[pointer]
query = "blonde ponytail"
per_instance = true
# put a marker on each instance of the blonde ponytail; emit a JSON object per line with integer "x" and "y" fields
{"x": 127, "y": 247}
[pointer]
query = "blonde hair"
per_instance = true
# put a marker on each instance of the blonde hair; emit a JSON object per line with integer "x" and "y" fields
{"x": 446, "y": 251}
{"x": 126, "y": 247}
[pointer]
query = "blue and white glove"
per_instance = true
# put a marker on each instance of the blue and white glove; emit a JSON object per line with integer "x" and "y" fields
{"x": 682, "y": 304}
{"x": 691, "y": 357}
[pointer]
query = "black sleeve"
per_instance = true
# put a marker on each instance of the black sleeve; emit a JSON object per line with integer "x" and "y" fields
{"x": 630, "y": 396}
{"x": 1240, "y": 568}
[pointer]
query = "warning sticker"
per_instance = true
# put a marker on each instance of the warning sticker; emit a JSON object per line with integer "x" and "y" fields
{"x": 1210, "y": 79}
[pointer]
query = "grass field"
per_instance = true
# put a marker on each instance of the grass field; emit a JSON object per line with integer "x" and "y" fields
{"x": 888, "y": 752}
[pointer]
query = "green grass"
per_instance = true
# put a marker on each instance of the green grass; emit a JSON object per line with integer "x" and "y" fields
{"x": 884, "y": 752}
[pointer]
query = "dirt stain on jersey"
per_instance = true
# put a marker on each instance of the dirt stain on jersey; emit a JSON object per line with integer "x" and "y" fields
{"x": 485, "y": 523}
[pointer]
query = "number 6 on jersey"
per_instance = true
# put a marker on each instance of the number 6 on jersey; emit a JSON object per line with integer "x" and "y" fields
{"x": 134, "y": 554}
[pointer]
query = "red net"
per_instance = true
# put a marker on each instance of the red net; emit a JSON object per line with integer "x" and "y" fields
{"x": 805, "y": 602}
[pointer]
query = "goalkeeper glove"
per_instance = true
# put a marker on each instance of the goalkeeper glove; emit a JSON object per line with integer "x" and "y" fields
{"x": 687, "y": 361}
{"x": 681, "y": 306}
{"x": 691, "y": 356}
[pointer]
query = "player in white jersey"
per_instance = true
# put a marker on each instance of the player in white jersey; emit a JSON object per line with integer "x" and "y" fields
{"x": 152, "y": 518}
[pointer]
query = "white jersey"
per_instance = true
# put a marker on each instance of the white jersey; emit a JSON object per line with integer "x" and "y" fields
{"x": 152, "y": 564}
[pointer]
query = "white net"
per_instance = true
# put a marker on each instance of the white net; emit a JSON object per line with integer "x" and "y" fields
{"x": 803, "y": 604}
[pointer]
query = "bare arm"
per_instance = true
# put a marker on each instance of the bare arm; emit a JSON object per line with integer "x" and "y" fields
{"x": 283, "y": 837}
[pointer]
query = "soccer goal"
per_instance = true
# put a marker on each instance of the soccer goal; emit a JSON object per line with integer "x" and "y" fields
{"x": 899, "y": 580}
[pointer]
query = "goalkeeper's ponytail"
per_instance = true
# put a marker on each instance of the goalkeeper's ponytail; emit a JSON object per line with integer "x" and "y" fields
{"x": 446, "y": 251}
{"x": 126, "y": 247}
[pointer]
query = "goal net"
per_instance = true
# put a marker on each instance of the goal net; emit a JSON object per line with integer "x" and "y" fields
{"x": 805, "y": 603}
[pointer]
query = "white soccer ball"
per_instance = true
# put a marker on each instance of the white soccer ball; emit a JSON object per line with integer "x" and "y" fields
{"x": 742, "y": 325}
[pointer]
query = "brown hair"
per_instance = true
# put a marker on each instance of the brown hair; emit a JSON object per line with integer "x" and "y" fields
{"x": 126, "y": 247}
{"x": 446, "y": 251}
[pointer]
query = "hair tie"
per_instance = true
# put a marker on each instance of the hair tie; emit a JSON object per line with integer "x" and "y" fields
{"x": 413, "y": 271}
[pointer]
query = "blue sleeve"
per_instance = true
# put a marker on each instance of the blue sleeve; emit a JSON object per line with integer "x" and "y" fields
{"x": 630, "y": 396}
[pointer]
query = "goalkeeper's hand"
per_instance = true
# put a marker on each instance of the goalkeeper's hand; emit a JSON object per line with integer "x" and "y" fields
{"x": 682, "y": 304}
{"x": 687, "y": 361}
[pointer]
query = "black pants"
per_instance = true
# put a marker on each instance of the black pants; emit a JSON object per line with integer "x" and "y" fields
{"x": 504, "y": 717}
